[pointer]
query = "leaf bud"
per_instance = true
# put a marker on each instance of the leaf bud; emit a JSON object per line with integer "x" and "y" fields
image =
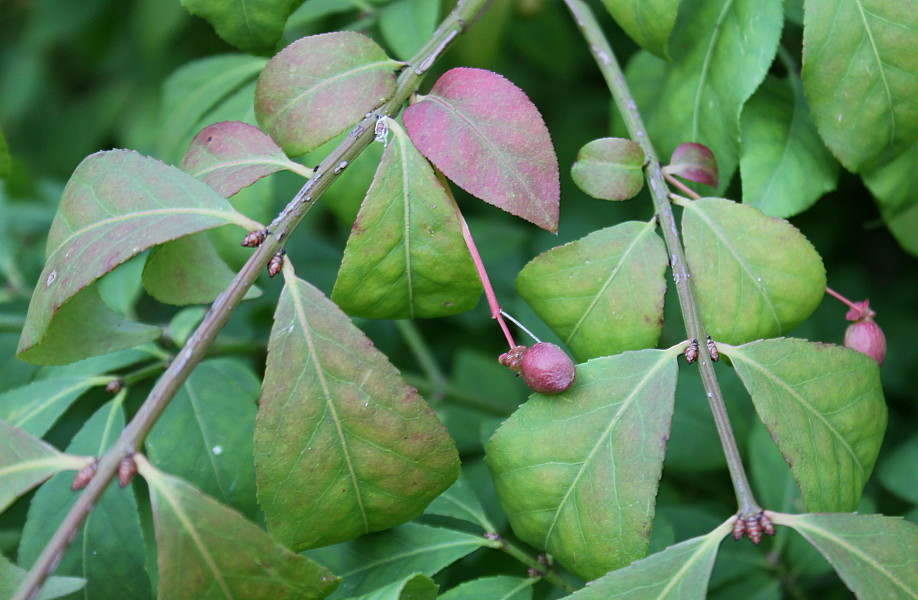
{"x": 547, "y": 369}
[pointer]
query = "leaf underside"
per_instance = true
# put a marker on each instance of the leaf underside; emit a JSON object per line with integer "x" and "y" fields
{"x": 610, "y": 169}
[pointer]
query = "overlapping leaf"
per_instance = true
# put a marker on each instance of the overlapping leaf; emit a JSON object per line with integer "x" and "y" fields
{"x": 250, "y": 25}
{"x": 892, "y": 185}
{"x": 35, "y": 407}
{"x": 754, "y": 276}
{"x": 577, "y": 472}
{"x": 406, "y": 25}
{"x": 343, "y": 446}
{"x": 784, "y": 165}
{"x": 413, "y": 587}
{"x": 876, "y": 556}
{"x": 725, "y": 50}
{"x": 12, "y": 576}
{"x": 859, "y": 66}
{"x": 115, "y": 205}
{"x": 694, "y": 162}
{"x": 824, "y": 407}
{"x": 486, "y": 135}
{"x": 602, "y": 294}
{"x": 648, "y": 23}
{"x": 610, "y": 169}
{"x": 500, "y": 587}
{"x": 460, "y": 502}
{"x": 405, "y": 257}
{"x": 320, "y": 85}
{"x": 679, "y": 572}
{"x": 206, "y": 550}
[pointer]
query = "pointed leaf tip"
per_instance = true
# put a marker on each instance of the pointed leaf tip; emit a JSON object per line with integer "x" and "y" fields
{"x": 488, "y": 137}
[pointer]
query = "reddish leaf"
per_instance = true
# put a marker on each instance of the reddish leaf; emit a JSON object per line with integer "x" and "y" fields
{"x": 694, "y": 162}
{"x": 232, "y": 155}
{"x": 486, "y": 135}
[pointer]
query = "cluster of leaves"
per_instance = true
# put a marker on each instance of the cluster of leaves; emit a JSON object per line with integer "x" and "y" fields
{"x": 338, "y": 445}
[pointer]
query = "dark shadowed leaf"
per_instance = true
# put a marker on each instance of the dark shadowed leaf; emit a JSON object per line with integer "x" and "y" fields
{"x": 407, "y": 24}
{"x": 602, "y": 294}
{"x": 754, "y": 276}
{"x": 817, "y": 400}
{"x": 893, "y": 186}
{"x": 109, "y": 550}
{"x": 500, "y": 587}
{"x": 859, "y": 65}
{"x": 205, "y": 434}
{"x": 577, "y": 472}
{"x": 231, "y": 155}
{"x": 207, "y": 550}
{"x": 12, "y": 576}
{"x": 116, "y": 205}
{"x": 320, "y": 85}
{"x": 405, "y": 257}
{"x": 4, "y": 158}
{"x": 876, "y": 556}
{"x": 343, "y": 446}
{"x": 413, "y": 587}
{"x": 379, "y": 559}
{"x": 680, "y": 572}
{"x": 26, "y": 461}
{"x": 648, "y": 23}
{"x": 251, "y": 25}
{"x": 486, "y": 135}
{"x": 694, "y": 162}
{"x": 35, "y": 407}
{"x": 897, "y": 473}
{"x": 784, "y": 165}
{"x": 610, "y": 169}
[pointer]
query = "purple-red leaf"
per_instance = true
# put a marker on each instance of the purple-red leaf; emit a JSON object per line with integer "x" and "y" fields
{"x": 232, "y": 155}
{"x": 486, "y": 135}
{"x": 694, "y": 162}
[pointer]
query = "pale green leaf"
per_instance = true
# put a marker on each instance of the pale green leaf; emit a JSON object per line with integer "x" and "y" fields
{"x": 893, "y": 186}
{"x": 413, "y": 587}
{"x": 12, "y": 576}
{"x": 602, "y": 294}
{"x": 648, "y": 23}
{"x": 184, "y": 323}
{"x": 35, "y": 407}
{"x": 610, "y": 169}
{"x": 460, "y": 502}
{"x": 407, "y": 24}
{"x": 577, "y": 472}
{"x": 754, "y": 276}
{"x": 251, "y": 25}
{"x": 500, "y": 587}
{"x": 824, "y": 407}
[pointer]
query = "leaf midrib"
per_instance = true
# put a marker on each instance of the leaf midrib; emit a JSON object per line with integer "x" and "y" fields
{"x": 705, "y": 67}
{"x": 882, "y": 73}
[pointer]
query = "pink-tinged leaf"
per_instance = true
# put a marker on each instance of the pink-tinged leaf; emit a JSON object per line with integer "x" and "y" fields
{"x": 232, "y": 155}
{"x": 320, "y": 85}
{"x": 694, "y": 162}
{"x": 486, "y": 135}
{"x": 610, "y": 169}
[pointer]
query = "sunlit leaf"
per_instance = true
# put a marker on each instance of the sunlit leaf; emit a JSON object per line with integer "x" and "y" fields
{"x": 320, "y": 85}
{"x": 405, "y": 257}
{"x": 12, "y": 576}
{"x": 413, "y": 587}
{"x": 486, "y": 135}
{"x": 859, "y": 65}
{"x": 679, "y": 572}
{"x": 207, "y": 550}
{"x": 602, "y": 294}
{"x": 610, "y": 169}
{"x": 205, "y": 434}
{"x": 26, "y": 461}
{"x": 817, "y": 401}
{"x": 577, "y": 472}
{"x": 876, "y": 556}
{"x": 251, "y": 25}
{"x": 35, "y": 407}
{"x": 407, "y": 24}
{"x": 648, "y": 23}
{"x": 500, "y": 587}
{"x": 892, "y": 185}
{"x": 231, "y": 155}
{"x": 109, "y": 550}
{"x": 379, "y": 559}
{"x": 725, "y": 48}
{"x": 343, "y": 446}
{"x": 694, "y": 162}
{"x": 754, "y": 276}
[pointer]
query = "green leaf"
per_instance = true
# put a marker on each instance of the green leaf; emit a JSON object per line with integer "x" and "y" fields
{"x": 725, "y": 50}
{"x": 407, "y": 24}
{"x": 35, "y": 407}
{"x": 320, "y": 85}
{"x": 12, "y": 576}
{"x": 109, "y": 551}
{"x": 876, "y": 556}
{"x": 602, "y": 294}
{"x": 897, "y": 471}
{"x": 205, "y": 434}
{"x": 859, "y": 66}
{"x": 184, "y": 323}
{"x": 754, "y": 276}
{"x": 207, "y": 550}
{"x": 26, "y": 461}
{"x": 120, "y": 289}
{"x": 372, "y": 561}
{"x": 343, "y": 446}
{"x": 679, "y": 572}
{"x": 460, "y": 502}
{"x": 610, "y": 169}
{"x": 4, "y": 157}
{"x": 500, "y": 587}
{"x": 784, "y": 165}
{"x": 893, "y": 185}
{"x": 817, "y": 401}
{"x": 577, "y": 472}
{"x": 116, "y": 205}
{"x": 405, "y": 257}
{"x": 413, "y": 587}
{"x": 251, "y": 25}
{"x": 648, "y": 23}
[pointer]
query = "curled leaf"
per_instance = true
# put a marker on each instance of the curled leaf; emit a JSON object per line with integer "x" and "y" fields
{"x": 694, "y": 162}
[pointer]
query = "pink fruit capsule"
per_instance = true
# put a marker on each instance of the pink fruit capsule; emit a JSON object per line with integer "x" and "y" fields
{"x": 547, "y": 369}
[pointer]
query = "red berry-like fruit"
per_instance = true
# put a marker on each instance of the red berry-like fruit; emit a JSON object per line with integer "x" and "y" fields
{"x": 866, "y": 337}
{"x": 547, "y": 369}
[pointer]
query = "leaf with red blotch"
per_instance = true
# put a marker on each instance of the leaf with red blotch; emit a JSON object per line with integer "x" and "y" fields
{"x": 694, "y": 162}
{"x": 486, "y": 135}
{"x": 232, "y": 155}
